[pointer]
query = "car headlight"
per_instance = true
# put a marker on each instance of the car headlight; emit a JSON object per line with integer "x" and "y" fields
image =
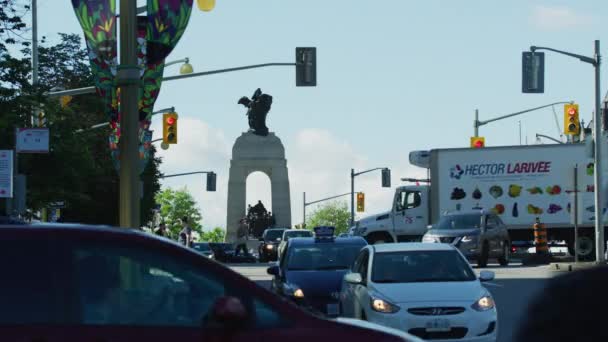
{"x": 298, "y": 293}
{"x": 484, "y": 303}
{"x": 293, "y": 290}
{"x": 269, "y": 246}
{"x": 382, "y": 305}
{"x": 428, "y": 238}
{"x": 471, "y": 238}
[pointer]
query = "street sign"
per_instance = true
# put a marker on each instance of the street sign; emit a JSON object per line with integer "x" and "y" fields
{"x": 57, "y": 204}
{"x": 32, "y": 140}
{"x": 6, "y": 173}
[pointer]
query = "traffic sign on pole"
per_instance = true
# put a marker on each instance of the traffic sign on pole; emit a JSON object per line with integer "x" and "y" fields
{"x": 6, "y": 173}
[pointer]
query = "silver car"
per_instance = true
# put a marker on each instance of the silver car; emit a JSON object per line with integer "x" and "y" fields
{"x": 479, "y": 235}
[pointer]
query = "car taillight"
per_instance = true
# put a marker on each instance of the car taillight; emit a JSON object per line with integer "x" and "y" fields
{"x": 513, "y": 249}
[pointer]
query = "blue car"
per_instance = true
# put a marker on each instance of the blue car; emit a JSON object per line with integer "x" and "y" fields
{"x": 310, "y": 270}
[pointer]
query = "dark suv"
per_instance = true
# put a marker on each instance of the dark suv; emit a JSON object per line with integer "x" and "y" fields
{"x": 270, "y": 244}
{"x": 479, "y": 235}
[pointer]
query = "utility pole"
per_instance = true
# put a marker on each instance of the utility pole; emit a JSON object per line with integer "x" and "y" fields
{"x": 128, "y": 81}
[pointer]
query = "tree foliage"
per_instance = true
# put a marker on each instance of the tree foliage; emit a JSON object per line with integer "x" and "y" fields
{"x": 175, "y": 204}
{"x": 335, "y": 214}
{"x": 78, "y": 169}
{"x": 218, "y": 234}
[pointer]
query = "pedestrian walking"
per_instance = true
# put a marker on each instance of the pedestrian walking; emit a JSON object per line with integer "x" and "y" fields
{"x": 241, "y": 238}
{"x": 185, "y": 235}
{"x": 161, "y": 230}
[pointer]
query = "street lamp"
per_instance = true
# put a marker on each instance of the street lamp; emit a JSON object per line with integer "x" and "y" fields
{"x": 205, "y": 5}
{"x": 185, "y": 69}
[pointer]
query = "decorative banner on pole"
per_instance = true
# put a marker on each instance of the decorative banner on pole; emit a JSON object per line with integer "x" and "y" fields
{"x": 98, "y": 21}
{"x": 158, "y": 33}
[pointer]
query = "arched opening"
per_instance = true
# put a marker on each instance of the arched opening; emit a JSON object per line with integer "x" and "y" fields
{"x": 258, "y": 187}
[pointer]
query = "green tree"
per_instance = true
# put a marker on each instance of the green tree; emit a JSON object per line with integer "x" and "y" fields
{"x": 78, "y": 169}
{"x": 335, "y": 214}
{"x": 218, "y": 234}
{"x": 175, "y": 204}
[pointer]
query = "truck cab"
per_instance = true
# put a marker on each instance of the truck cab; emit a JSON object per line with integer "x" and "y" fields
{"x": 406, "y": 221}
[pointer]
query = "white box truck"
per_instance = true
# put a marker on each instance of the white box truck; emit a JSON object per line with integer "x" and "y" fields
{"x": 519, "y": 183}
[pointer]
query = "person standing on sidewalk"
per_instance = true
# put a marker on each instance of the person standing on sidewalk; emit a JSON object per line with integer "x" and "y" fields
{"x": 185, "y": 235}
{"x": 241, "y": 238}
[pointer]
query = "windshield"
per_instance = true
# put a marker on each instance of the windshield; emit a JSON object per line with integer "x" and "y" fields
{"x": 273, "y": 234}
{"x": 300, "y": 233}
{"x": 420, "y": 266}
{"x": 467, "y": 221}
{"x": 322, "y": 256}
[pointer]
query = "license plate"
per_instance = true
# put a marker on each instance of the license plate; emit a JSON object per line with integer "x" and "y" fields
{"x": 437, "y": 325}
{"x": 333, "y": 309}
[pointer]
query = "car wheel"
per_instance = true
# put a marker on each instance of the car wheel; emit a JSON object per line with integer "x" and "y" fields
{"x": 482, "y": 261}
{"x": 506, "y": 255}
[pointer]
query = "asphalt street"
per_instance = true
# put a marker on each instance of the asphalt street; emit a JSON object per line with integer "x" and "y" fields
{"x": 513, "y": 287}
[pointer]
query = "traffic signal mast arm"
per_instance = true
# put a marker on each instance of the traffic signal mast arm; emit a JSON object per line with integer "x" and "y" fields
{"x": 484, "y": 122}
{"x": 186, "y": 174}
{"x": 366, "y": 171}
{"x": 582, "y": 58}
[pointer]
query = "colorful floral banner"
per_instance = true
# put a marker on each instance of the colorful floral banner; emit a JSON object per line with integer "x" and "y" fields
{"x": 158, "y": 33}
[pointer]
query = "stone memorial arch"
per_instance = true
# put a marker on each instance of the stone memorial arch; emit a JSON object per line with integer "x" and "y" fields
{"x": 253, "y": 152}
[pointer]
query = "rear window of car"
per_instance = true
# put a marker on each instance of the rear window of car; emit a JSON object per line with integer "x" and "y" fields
{"x": 27, "y": 286}
{"x": 273, "y": 234}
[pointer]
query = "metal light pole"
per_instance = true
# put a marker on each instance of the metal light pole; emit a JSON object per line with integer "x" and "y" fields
{"x": 352, "y": 197}
{"x": 597, "y": 134}
{"x": 128, "y": 81}
{"x": 304, "y": 209}
{"x": 538, "y": 135}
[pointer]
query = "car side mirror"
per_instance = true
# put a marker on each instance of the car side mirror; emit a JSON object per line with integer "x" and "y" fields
{"x": 273, "y": 270}
{"x": 227, "y": 313}
{"x": 353, "y": 278}
{"x": 486, "y": 276}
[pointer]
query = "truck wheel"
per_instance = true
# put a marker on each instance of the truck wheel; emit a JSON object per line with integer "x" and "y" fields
{"x": 378, "y": 238}
{"x": 482, "y": 261}
{"x": 506, "y": 255}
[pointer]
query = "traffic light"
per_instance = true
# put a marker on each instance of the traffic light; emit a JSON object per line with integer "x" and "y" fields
{"x": 360, "y": 202}
{"x": 571, "y": 120}
{"x": 170, "y": 128}
{"x": 386, "y": 178}
{"x": 478, "y": 142}
{"x": 306, "y": 67}
{"x": 533, "y": 72}
{"x": 211, "y": 177}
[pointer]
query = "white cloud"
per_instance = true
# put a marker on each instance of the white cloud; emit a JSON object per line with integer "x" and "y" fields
{"x": 318, "y": 163}
{"x": 555, "y": 18}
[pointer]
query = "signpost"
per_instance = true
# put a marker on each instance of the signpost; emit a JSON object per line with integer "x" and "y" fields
{"x": 32, "y": 140}
{"x": 6, "y": 173}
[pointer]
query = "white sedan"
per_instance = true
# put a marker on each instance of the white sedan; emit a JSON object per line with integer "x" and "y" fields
{"x": 428, "y": 290}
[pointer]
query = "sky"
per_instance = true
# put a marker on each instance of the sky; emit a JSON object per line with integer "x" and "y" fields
{"x": 393, "y": 76}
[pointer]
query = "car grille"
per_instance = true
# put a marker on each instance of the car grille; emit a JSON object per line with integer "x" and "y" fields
{"x": 319, "y": 303}
{"x": 436, "y": 311}
{"x": 455, "y": 333}
{"x": 444, "y": 239}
